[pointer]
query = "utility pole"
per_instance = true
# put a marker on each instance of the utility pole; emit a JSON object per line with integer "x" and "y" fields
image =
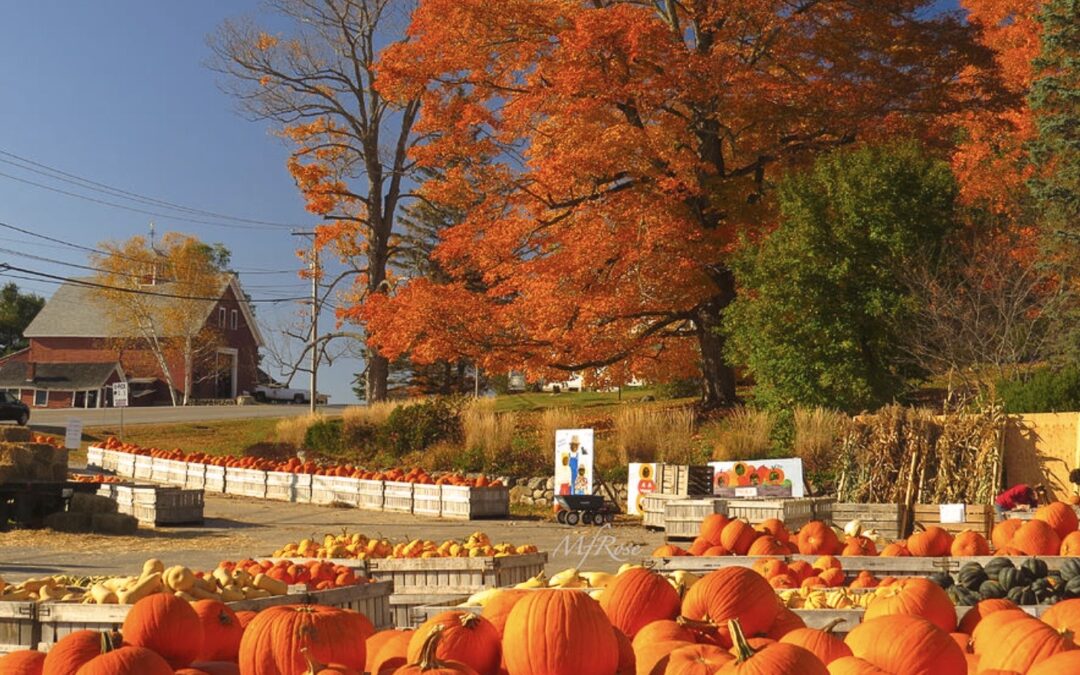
{"x": 314, "y": 339}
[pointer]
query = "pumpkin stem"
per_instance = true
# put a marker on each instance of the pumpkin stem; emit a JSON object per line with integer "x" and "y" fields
{"x": 110, "y": 641}
{"x": 745, "y": 651}
{"x": 694, "y": 623}
{"x": 916, "y": 524}
{"x": 427, "y": 651}
{"x": 468, "y": 619}
{"x": 313, "y": 665}
{"x": 828, "y": 628}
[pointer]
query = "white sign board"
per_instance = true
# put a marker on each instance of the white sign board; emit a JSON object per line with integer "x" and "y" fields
{"x": 73, "y": 434}
{"x": 641, "y": 481}
{"x": 767, "y": 478}
{"x": 120, "y": 394}
{"x": 952, "y": 513}
{"x": 574, "y": 461}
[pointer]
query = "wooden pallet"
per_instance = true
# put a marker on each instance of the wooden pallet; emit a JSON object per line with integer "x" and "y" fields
{"x": 977, "y": 517}
{"x": 877, "y": 565}
{"x": 18, "y": 625}
{"x": 460, "y": 576}
{"x": 652, "y": 509}
{"x": 685, "y": 480}
{"x": 682, "y": 517}
{"x": 794, "y": 512}
{"x": 473, "y": 503}
{"x": 886, "y": 519}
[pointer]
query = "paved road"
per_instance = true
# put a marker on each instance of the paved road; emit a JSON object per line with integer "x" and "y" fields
{"x": 164, "y": 415}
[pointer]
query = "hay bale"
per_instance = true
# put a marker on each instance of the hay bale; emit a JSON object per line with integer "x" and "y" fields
{"x": 14, "y": 434}
{"x": 64, "y": 521}
{"x": 113, "y": 523}
{"x": 82, "y": 502}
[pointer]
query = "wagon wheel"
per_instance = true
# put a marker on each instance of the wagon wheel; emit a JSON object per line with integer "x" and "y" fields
{"x": 598, "y": 519}
{"x": 572, "y": 518}
{"x": 561, "y": 517}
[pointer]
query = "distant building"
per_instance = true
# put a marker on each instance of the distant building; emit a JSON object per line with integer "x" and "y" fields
{"x": 72, "y": 360}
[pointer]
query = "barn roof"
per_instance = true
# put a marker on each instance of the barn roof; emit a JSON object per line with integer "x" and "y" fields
{"x": 57, "y": 376}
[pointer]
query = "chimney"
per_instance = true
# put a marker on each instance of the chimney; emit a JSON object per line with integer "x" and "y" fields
{"x": 31, "y": 370}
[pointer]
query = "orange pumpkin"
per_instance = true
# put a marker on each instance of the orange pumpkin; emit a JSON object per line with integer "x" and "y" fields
{"x": 627, "y": 659}
{"x": 776, "y": 658}
{"x": 785, "y": 622}
{"x": 782, "y": 581}
{"x": 316, "y": 668}
{"x": 822, "y": 643}
{"x": 732, "y": 593}
{"x": 696, "y": 659}
{"x": 553, "y": 632}
{"x": 712, "y": 527}
{"x": 1002, "y": 534}
{"x": 1070, "y": 545}
{"x": 638, "y": 597}
{"x": 859, "y": 545}
{"x": 973, "y": 616}
{"x": 1013, "y": 640}
{"x": 127, "y": 661}
{"x": 1064, "y": 615}
{"x": 274, "y": 638}
{"x": 776, "y": 528}
{"x": 391, "y": 653}
{"x": 428, "y": 661}
{"x": 157, "y": 620}
{"x": 906, "y": 644}
{"x": 1059, "y": 516}
{"x": 969, "y": 543}
{"x": 75, "y": 649}
{"x": 699, "y": 546}
{"x": 737, "y": 537}
{"x": 24, "y": 662}
{"x": 817, "y": 538}
{"x": 919, "y": 597}
{"x": 498, "y": 606}
{"x": 897, "y": 549}
{"x": 1036, "y": 537}
{"x": 767, "y": 544}
{"x": 801, "y": 569}
{"x": 853, "y": 665}
{"x": 833, "y": 577}
{"x": 210, "y": 668}
{"x": 668, "y": 551}
{"x": 931, "y": 541}
{"x": 654, "y": 643}
{"x": 465, "y": 637}
{"x": 221, "y": 631}
{"x": 1063, "y": 662}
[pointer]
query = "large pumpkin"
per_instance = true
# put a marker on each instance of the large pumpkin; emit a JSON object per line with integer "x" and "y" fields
{"x": 499, "y": 605}
{"x": 915, "y": 596}
{"x": 776, "y": 658}
{"x": 737, "y": 537}
{"x": 274, "y": 638}
{"x": 767, "y": 544}
{"x": 969, "y": 543}
{"x": 553, "y": 632}
{"x": 1070, "y": 544}
{"x": 931, "y": 541}
{"x": 733, "y": 593}
{"x": 222, "y": 631}
{"x": 127, "y": 661}
{"x": 466, "y": 638}
{"x": 776, "y": 528}
{"x": 316, "y": 668}
{"x": 1059, "y": 516}
{"x": 24, "y": 662}
{"x": 157, "y": 622}
{"x": 897, "y": 549}
{"x": 430, "y": 664}
{"x": 906, "y": 645}
{"x": 985, "y": 608}
{"x": 701, "y": 659}
{"x": 785, "y": 622}
{"x": 1013, "y": 640}
{"x": 821, "y": 643}
{"x": 853, "y": 665}
{"x": 210, "y": 668}
{"x": 1058, "y": 664}
{"x": 1002, "y": 534}
{"x": 654, "y": 643}
{"x": 75, "y": 649}
{"x": 859, "y": 545}
{"x": 627, "y": 659}
{"x": 389, "y": 654}
{"x": 1037, "y": 538}
{"x": 638, "y": 597}
{"x": 817, "y": 538}
{"x": 713, "y": 526}
{"x": 1064, "y": 615}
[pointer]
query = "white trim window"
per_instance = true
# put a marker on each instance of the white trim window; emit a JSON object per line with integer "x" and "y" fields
{"x": 233, "y": 319}
{"x": 221, "y": 317}
{"x": 41, "y": 398}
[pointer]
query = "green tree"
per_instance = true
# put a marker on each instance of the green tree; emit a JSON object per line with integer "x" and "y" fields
{"x": 17, "y": 310}
{"x": 816, "y": 317}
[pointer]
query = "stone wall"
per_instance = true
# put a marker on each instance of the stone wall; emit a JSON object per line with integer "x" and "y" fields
{"x": 540, "y": 491}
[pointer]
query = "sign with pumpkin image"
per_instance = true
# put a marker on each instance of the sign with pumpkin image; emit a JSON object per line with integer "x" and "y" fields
{"x": 765, "y": 478}
{"x": 641, "y": 481}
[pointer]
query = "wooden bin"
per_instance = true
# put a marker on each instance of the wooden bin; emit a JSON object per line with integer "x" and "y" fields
{"x": 462, "y": 576}
{"x": 125, "y": 465}
{"x": 95, "y": 456}
{"x": 688, "y": 481}
{"x": 346, "y": 490}
{"x": 245, "y": 482}
{"x": 214, "y": 480}
{"x": 398, "y": 496}
{"x": 977, "y": 517}
{"x": 652, "y": 509}
{"x": 372, "y": 600}
{"x": 471, "y": 503}
{"x": 176, "y": 472}
{"x": 159, "y": 470}
{"x": 168, "y": 506}
{"x": 886, "y": 519}
{"x": 371, "y": 494}
{"x": 144, "y": 467}
{"x": 682, "y": 517}
{"x": 821, "y": 508}
{"x": 109, "y": 458}
{"x": 793, "y": 512}
{"x": 322, "y": 489}
{"x": 427, "y": 500}
{"x": 288, "y": 487}
{"x": 18, "y": 626}
{"x": 406, "y": 608}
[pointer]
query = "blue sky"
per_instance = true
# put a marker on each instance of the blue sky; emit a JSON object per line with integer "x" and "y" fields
{"x": 117, "y": 91}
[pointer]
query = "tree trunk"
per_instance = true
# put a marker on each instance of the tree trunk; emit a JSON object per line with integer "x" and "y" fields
{"x": 378, "y": 374}
{"x": 717, "y": 376}
{"x": 187, "y": 370}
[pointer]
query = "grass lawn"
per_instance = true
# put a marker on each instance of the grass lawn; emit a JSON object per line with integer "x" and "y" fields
{"x": 536, "y": 401}
{"x": 222, "y": 437}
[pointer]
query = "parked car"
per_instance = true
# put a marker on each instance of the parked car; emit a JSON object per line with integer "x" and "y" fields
{"x": 275, "y": 392}
{"x": 13, "y": 410}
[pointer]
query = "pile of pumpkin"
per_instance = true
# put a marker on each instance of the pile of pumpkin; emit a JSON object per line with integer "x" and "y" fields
{"x": 298, "y": 466}
{"x": 362, "y": 547}
{"x": 728, "y": 623}
{"x": 1052, "y": 531}
{"x": 97, "y": 478}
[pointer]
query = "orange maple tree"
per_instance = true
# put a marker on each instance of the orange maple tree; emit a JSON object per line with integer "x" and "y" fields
{"x": 610, "y": 155}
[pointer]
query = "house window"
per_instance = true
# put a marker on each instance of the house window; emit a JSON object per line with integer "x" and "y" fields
{"x": 221, "y": 317}
{"x": 233, "y": 319}
{"x": 41, "y": 398}
{"x": 78, "y": 400}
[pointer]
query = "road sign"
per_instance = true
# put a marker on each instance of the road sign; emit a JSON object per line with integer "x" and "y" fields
{"x": 73, "y": 434}
{"x": 120, "y": 394}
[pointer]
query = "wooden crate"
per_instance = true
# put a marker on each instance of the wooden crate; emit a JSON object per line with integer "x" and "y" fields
{"x": 684, "y": 480}
{"x": 214, "y": 481}
{"x": 176, "y": 472}
{"x": 682, "y": 517}
{"x": 794, "y": 512}
{"x": 372, "y": 600}
{"x": 168, "y": 506}
{"x": 144, "y": 467}
{"x": 821, "y": 508}
{"x": 125, "y": 464}
{"x": 371, "y": 494}
{"x": 462, "y": 576}
{"x": 109, "y": 458}
{"x": 159, "y": 470}
{"x": 652, "y": 509}
{"x": 322, "y": 489}
{"x": 472, "y": 503}
{"x": 245, "y": 482}
{"x": 18, "y": 625}
{"x": 886, "y": 519}
{"x": 977, "y": 517}
{"x": 406, "y": 608}
{"x": 346, "y": 490}
{"x": 281, "y": 486}
{"x": 95, "y": 457}
{"x": 194, "y": 476}
{"x": 398, "y": 496}
{"x": 427, "y": 500}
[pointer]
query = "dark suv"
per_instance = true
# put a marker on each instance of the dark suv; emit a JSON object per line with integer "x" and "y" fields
{"x": 12, "y": 409}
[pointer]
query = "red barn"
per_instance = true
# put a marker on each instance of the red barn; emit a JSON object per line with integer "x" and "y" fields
{"x": 74, "y": 358}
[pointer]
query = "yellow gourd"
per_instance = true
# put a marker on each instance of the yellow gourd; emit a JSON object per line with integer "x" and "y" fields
{"x": 273, "y": 586}
{"x": 151, "y": 566}
{"x": 179, "y": 578}
{"x": 232, "y": 594}
{"x": 102, "y": 595}
{"x": 145, "y": 586}
{"x": 255, "y": 593}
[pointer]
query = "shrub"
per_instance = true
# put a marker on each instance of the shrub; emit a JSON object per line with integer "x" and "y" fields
{"x": 293, "y": 430}
{"x": 653, "y": 434}
{"x": 684, "y": 388}
{"x": 1047, "y": 390}
{"x": 745, "y": 433}
{"x": 324, "y": 437}
{"x": 414, "y": 427}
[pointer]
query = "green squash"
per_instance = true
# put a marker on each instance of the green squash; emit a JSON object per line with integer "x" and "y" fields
{"x": 991, "y": 589}
{"x": 1070, "y": 569}
{"x": 1072, "y": 588}
{"x": 962, "y": 596}
{"x": 994, "y": 566}
{"x": 1022, "y": 595}
{"x": 943, "y": 579}
{"x": 1037, "y": 567}
{"x": 971, "y": 576}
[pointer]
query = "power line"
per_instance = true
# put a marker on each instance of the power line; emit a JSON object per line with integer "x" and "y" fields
{"x": 87, "y": 183}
